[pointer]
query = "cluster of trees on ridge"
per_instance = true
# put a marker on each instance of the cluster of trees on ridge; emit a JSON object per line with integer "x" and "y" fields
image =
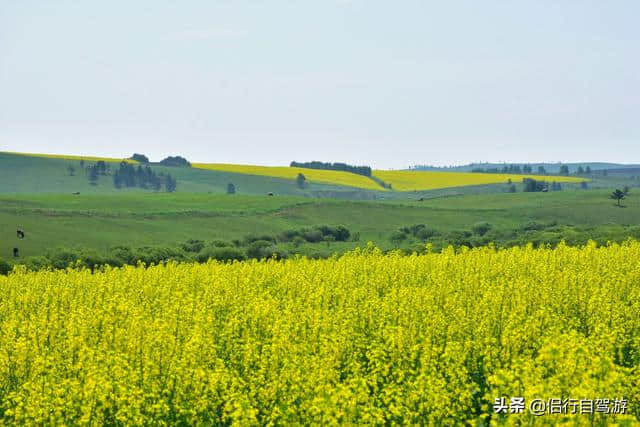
{"x": 129, "y": 176}
{"x": 360, "y": 170}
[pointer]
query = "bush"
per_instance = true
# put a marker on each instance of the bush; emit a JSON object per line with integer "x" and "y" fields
{"x": 193, "y": 245}
{"x": 398, "y": 236}
{"x": 5, "y": 267}
{"x": 62, "y": 258}
{"x": 256, "y": 237}
{"x": 288, "y": 235}
{"x": 221, "y": 254}
{"x": 481, "y": 228}
{"x": 159, "y": 255}
{"x": 221, "y": 244}
{"x": 255, "y": 249}
{"x": 91, "y": 259}
{"x": 121, "y": 255}
{"x": 312, "y": 236}
{"x": 36, "y": 263}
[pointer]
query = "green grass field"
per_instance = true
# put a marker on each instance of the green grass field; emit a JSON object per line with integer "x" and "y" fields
{"x": 136, "y": 219}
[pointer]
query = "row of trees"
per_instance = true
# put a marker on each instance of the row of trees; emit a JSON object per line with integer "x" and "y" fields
{"x": 528, "y": 169}
{"x": 129, "y": 176}
{"x": 360, "y": 170}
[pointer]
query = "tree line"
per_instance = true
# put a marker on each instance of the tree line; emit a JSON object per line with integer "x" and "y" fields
{"x": 360, "y": 170}
{"x": 128, "y": 176}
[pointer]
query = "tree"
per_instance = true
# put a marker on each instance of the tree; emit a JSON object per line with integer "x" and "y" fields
{"x": 300, "y": 180}
{"x": 117, "y": 180}
{"x": 580, "y": 170}
{"x": 175, "y": 161}
{"x": 588, "y": 170}
{"x": 564, "y": 170}
{"x": 231, "y": 189}
{"x": 82, "y": 163}
{"x": 72, "y": 170}
{"x": 617, "y": 195}
{"x": 93, "y": 175}
{"x": 170, "y": 184}
{"x": 141, "y": 158}
{"x": 101, "y": 166}
{"x": 584, "y": 185}
{"x": 542, "y": 170}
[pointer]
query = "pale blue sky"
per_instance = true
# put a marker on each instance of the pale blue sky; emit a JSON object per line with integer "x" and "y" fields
{"x": 385, "y": 83}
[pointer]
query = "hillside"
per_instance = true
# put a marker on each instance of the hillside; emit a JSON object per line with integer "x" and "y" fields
{"x": 34, "y": 173}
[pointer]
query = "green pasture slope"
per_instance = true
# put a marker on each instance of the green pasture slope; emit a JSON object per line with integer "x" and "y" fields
{"x": 21, "y": 174}
{"x": 137, "y": 219}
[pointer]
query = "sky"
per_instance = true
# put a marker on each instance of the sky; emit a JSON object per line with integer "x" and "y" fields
{"x": 383, "y": 83}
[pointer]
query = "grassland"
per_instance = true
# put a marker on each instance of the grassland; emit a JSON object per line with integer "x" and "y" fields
{"x": 137, "y": 219}
{"x": 429, "y": 180}
{"x": 71, "y": 157}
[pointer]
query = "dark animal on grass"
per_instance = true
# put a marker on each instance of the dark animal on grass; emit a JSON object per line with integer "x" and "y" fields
{"x": 20, "y": 233}
{"x": 269, "y": 194}
{"x": 15, "y": 252}
{"x": 76, "y": 193}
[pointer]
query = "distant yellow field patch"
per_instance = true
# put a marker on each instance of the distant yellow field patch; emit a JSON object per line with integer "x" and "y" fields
{"x": 431, "y": 180}
{"x": 313, "y": 175}
{"x": 72, "y": 157}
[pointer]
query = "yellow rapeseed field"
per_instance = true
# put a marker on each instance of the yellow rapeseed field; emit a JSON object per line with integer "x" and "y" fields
{"x": 313, "y": 175}
{"x": 364, "y": 338}
{"x": 73, "y": 157}
{"x": 431, "y": 180}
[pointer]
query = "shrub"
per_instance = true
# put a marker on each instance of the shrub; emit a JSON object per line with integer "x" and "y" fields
{"x": 193, "y": 245}
{"x": 255, "y": 249}
{"x": 5, "y": 267}
{"x": 256, "y": 237}
{"x": 62, "y": 258}
{"x": 221, "y": 244}
{"x": 36, "y": 263}
{"x": 221, "y": 254}
{"x": 481, "y": 228}
{"x": 312, "y": 236}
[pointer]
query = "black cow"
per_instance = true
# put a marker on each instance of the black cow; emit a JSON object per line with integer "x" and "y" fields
{"x": 15, "y": 252}
{"x": 20, "y": 233}
{"x": 269, "y": 194}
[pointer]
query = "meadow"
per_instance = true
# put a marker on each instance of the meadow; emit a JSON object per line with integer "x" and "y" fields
{"x": 134, "y": 219}
{"x": 365, "y": 338}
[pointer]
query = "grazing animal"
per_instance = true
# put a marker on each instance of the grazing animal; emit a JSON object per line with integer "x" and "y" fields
{"x": 20, "y": 233}
{"x": 15, "y": 252}
{"x": 421, "y": 199}
{"x": 76, "y": 193}
{"x": 269, "y": 194}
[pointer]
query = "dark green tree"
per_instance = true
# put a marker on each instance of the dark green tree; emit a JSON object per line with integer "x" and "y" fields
{"x": 117, "y": 180}
{"x": 170, "y": 184}
{"x": 564, "y": 170}
{"x": 617, "y": 195}
{"x": 231, "y": 189}
{"x": 301, "y": 180}
{"x": 93, "y": 175}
